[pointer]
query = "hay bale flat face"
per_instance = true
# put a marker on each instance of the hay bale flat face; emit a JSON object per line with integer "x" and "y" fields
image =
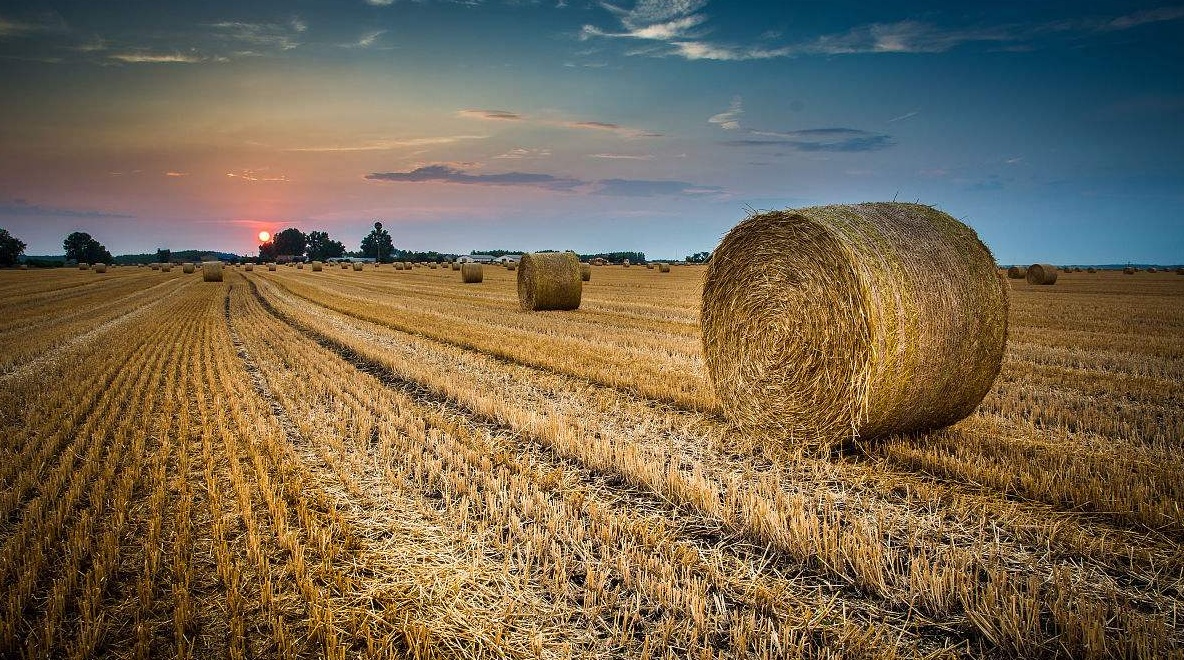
{"x": 166, "y": 268}
{"x": 586, "y": 272}
{"x": 317, "y": 266}
{"x": 249, "y": 267}
{"x": 829, "y": 323}
{"x": 82, "y": 266}
{"x": 211, "y": 271}
{"x": 1041, "y": 274}
{"x": 472, "y": 273}
{"x": 549, "y": 281}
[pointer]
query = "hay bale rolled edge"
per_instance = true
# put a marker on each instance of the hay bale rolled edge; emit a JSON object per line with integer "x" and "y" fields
{"x": 1042, "y": 274}
{"x": 271, "y": 267}
{"x": 824, "y": 324}
{"x": 211, "y": 271}
{"x": 549, "y": 281}
{"x": 472, "y": 273}
{"x": 455, "y": 266}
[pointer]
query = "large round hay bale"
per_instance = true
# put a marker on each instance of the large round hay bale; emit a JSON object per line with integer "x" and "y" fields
{"x": 586, "y": 272}
{"x": 344, "y": 265}
{"x": 663, "y": 268}
{"x": 649, "y": 266}
{"x": 154, "y": 266}
{"x": 472, "y": 273}
{"x": 549, "y": 280}
{"x": 211, "y": 271}
{"x": 1017, "y": 272}
{"x": 358, "y": 266}
{"x": 100, "y": 268}
{"x": 249, "y": 267}
{"x": 625, "y": 263}
{"x": 1041, "y": 274}
{"x": 398, "y": 265}
{"x": 188, "y": 268}
{"x": 317, "y": 266}
{"x": 432, "y": 265}
{"x": 828, "y": 323}
{"x": 271, "y": 267}
{"x": 510, "y": 265}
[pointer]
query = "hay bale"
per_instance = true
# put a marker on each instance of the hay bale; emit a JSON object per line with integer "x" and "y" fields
{"x": 24, "y": 266}
{"x": 663, "y": 268}
{"x": 300, "y": 266}
{"x": 586, "y": 272}
{"x": 249, "y": 267}
{"x": 166, "y": 268}
{"x": 100, "y": 268}
{"x": 211, "y": 271}
{"x": 83, "y": 266}
{"x": 1091, "y": 269}
{"x": 398, "y": 265}
{"x": 188, "y": 268}
{"x": 625, "y": 263}
{"x": 472, "y": 273}
{"x": 344, "y": 265}
{"x": 271, "y": 267}
{"x": 549, "y": 280}
{"x": 1128, "y": 271}
{"x": 432, "y": 266}
{"x": 1077, "y": 269}
{"x": 649, "y": 266}
{"x": 455, "y": 266}
{"x": 1042, "y": 274}
{"x": 358, "y": 266}
{"x": 154, "y": 266}
{"x": 317, "y": 266}
{"x": 510, "y": 265}
{"x": 1179, "y": 271}
{"x": 1152, "y": 270}
{"x": 829, "y": 323}
{"x": 1017, "y": 272}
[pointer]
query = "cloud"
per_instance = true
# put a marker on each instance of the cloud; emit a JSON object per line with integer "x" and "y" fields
{"x": 393, "y": 143}
{"x": 818, "y": 139}
{"x": 46, "y": 22}
{"x": 272, "y": 36}
{"x": 729, "y": 119}
{"x": 521, "y": 152}
{"x": 176, "y": 174}
{"x": 615, "y": 187}
{"x": 624, "y": 131}
{"x": 20, "y": 207}
{"x": 490, "y": 114}
{"x": 380, "y": 3}
{"x": 146, "y": 57}
{"x": 907, "y": 115}
{"x": 258, "y": 175}
{"x": 367, "y": 40}
{"x": 623, "y": 156}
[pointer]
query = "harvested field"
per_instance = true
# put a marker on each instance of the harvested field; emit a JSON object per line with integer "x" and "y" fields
{"x": 358, "y": 464}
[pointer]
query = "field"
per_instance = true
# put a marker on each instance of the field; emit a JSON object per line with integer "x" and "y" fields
{"x": 395, "y": 464}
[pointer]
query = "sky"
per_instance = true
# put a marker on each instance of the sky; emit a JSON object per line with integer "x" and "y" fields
{"x": 1055, "y": 129}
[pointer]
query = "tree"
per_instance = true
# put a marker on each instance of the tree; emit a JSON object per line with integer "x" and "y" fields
{"x": 163, "y": 255}
{"x": 267, "y": 251}
{"x": 290, "y": 241}
{"x": 11, "y": 248}
{"x": 81, "y": 247}
{"x": 321, "y": 247}
{"x": 378, "y": 244}
{"x": 698, "y": 258}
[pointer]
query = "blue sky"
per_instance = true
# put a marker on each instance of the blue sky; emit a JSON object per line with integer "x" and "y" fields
{"x": 1055, "y": 129}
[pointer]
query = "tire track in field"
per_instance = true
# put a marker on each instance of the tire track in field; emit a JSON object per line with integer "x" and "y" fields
{"x": 703, "y": 533}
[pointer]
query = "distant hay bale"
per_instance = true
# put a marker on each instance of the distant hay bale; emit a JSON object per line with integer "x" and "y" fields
{"x": 625, "y": 263}
{"x": 510, "y": 265}
{"x": 271, "y": 267}
{"x": 358, "y": 266}
{"x": 471, "y": 273}
{"x": 1180, "y": 270}
{"x": 824, "y": 324}
{"x": 1077, "y": 269}
{"x": 1152, "y": 270}
{"x": 154, "y": 266}
{"x": 1091, "y": 269}
{"x": 300, "y": 266}
{"x": 24, "y": 266}
{"x": 1042, "y": 274}
{"x": 649, "y": 266}
{"x": 344, "y": 266}
{"x": 586, "y": 272}
{"x": 1017, "y": 272}
{"x": 432, "y": 266}
{"x": 455, "y": 266}
{"x": 318, "y": 266}
{"x": 1129, "y": 270}
{"x": 166, "y": 268}
{"x": 188, "y": 268}
{"x": 100, "y": 268}
{"x": 549, "y": 281}
{"x": 663, "y": 268}
{"x": 599, "y": 261}
{"x": 398, "y": 265}
{"x": 83, "y": 266}
{"x": 211, "y": 271}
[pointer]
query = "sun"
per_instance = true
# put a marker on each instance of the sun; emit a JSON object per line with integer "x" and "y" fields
{"x": 264, "y": 236}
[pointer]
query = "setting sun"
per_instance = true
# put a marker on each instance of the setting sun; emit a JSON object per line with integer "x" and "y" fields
{"x": 264, "y": 236}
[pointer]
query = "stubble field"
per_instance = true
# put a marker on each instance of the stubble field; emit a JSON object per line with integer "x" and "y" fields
{"x": 395, "y": 464}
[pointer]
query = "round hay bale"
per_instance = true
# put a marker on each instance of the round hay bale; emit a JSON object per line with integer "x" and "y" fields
{"x": 625, "y": 263}
{"x": 1152, "y": 270}
{"x": 317, "y": 266}
{"x": 586, "y": 272}
{"x": 455, "y": 266}
{"x": 166, "y": 268}
{"x": 188, "y": 268}
{"x": 24, "y": 266}
{"x": 271, "y": 267}
{"x": 100, "y": 268}
{"x": 649, "y": 266}
{"x": 1179, "y": 271}
{"x": 1017, "y": 272}
{"x": 211, "y": 271}
{"x": 549, "y": 280}
{"x": 358, "y": 266}
{"x": 472, "y": 273}
{"x": 398, "y": 265}
{"x": 1091, "y": 269}
{"x": 154, "y": 266}
{"x": 510, "y": 265}
{"x": 82, "y": 266}
{"x": 1042, "y": 274}
{"x": 1077, "y": 269}
{"x": 249, "y": 267}
{"x": 432, "y": 266}
{"x": 344, "y": 265}
{"x": 829, "y": 323}
{"x": 1128, "y": 271}
{"x": 300, "y": 266}
{"x": 663, "y": 268}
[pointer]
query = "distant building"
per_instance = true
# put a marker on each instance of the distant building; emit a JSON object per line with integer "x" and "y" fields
{"x": 509, "y": 259}
{"x": 475, "y": 258}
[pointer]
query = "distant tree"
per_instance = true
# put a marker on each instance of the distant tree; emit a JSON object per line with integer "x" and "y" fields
{"x": 11, "y": 248}
{"x": 267, "y": 251}
{"x": 163, "y": 255}
{"x": 81, "y": 247}
{"x": 290, "y": 241}
{"x": 321, "y": 247}
{"x": 698, "y": 258}
{"x": 378, "y": 244}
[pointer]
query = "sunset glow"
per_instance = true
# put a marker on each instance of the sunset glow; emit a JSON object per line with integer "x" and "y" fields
{"x": 264, "y": 237}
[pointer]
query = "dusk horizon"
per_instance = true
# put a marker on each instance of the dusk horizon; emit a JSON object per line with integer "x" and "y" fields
{"x": 1054, "y": 130}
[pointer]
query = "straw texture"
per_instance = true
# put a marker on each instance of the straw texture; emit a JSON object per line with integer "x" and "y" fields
{"x": 549, "y": 280}
{"x": 829, "y": 323}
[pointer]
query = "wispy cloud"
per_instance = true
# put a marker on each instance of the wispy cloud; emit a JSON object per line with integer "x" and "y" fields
{"x": 266, "y": 36}
{"x": 524, "y": 153}
{"x": 506, "y": 115}
{"x": 623, "y": 156}
{"x": 367, "y": 39}
{"x": 261, "y": 174}
{"x": 176, "y": 174}
{"x": 41, "y": 23}
{"x": 818, "y": 139}
{"x": 615, "y": 187}
{"x": 729, "y": 119}
{"x": 389, "y": 144}
{"x": 147, "y": 57}
{"x": 907, "y": 115}
{"x": 21, "y": 207}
